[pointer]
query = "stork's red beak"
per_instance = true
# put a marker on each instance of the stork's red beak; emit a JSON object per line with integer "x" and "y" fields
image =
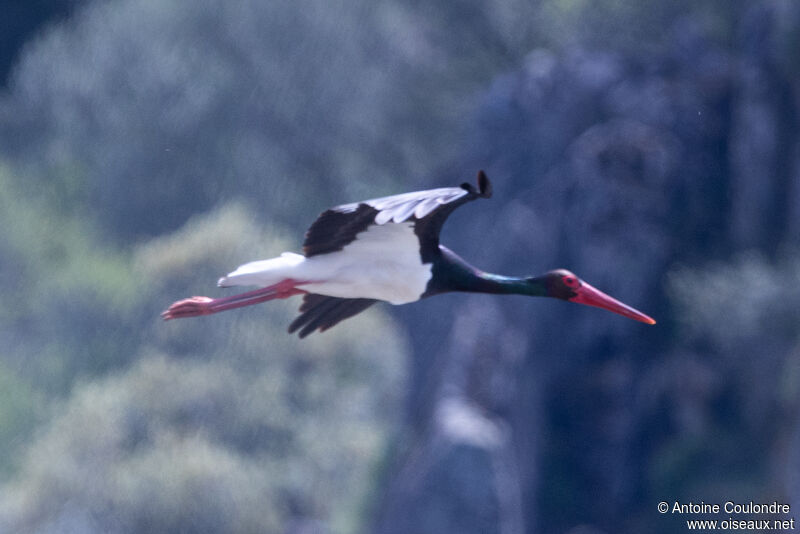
{"x": 594, "y": 297}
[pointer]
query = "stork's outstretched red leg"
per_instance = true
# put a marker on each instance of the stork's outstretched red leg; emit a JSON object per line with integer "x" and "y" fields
{"x": 195, "y": 306}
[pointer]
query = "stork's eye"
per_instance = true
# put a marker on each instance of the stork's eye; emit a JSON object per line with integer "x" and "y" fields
{"x": 570, "y": 281}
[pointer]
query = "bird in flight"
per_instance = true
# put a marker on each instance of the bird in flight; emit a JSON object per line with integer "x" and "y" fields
{"x": 386, "y": 249}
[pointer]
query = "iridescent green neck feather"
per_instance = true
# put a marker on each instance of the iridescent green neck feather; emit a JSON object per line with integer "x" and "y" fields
{"x": 451, "y": 273}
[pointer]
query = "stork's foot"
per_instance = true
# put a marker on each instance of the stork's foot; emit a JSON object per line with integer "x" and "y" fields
{"x": 191, "y": 307}
{"x": 195, "y": 306}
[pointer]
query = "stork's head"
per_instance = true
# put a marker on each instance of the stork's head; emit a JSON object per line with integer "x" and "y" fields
{"x": 565, "y": 285}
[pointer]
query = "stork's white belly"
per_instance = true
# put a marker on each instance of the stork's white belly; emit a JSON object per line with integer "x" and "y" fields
{"x": 401, "y": 290}
{"x": 381, "y": 263}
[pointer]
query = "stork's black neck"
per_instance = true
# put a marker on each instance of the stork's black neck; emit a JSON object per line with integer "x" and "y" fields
{"x": 451, "y": 273}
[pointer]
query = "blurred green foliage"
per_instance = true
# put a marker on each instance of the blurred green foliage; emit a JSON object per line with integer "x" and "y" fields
{"x": 742, "y": 318}
{"x": 236, "y": 428}
{"x": 68, "y": 296}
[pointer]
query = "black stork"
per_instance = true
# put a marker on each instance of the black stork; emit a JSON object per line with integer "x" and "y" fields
{"x": 386, "y": 249}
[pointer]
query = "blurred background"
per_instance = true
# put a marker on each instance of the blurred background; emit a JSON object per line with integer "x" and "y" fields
{"x": 149, "y": 146}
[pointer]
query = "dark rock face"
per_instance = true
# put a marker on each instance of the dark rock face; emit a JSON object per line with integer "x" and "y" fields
{"x": 460, "y": 480}
{"x": 620, "y": 170}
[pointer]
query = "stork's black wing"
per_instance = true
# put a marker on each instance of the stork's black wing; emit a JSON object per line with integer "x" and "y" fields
{"x": 336, "y": 227}
{"x": 322, "y": 312}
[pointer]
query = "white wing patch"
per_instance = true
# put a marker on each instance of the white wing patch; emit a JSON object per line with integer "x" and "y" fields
{"x": 381, "y": 263}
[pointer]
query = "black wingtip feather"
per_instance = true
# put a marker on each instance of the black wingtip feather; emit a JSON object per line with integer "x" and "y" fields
{"x": 484, "y": 185}
{"x": 320, "y": 312}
